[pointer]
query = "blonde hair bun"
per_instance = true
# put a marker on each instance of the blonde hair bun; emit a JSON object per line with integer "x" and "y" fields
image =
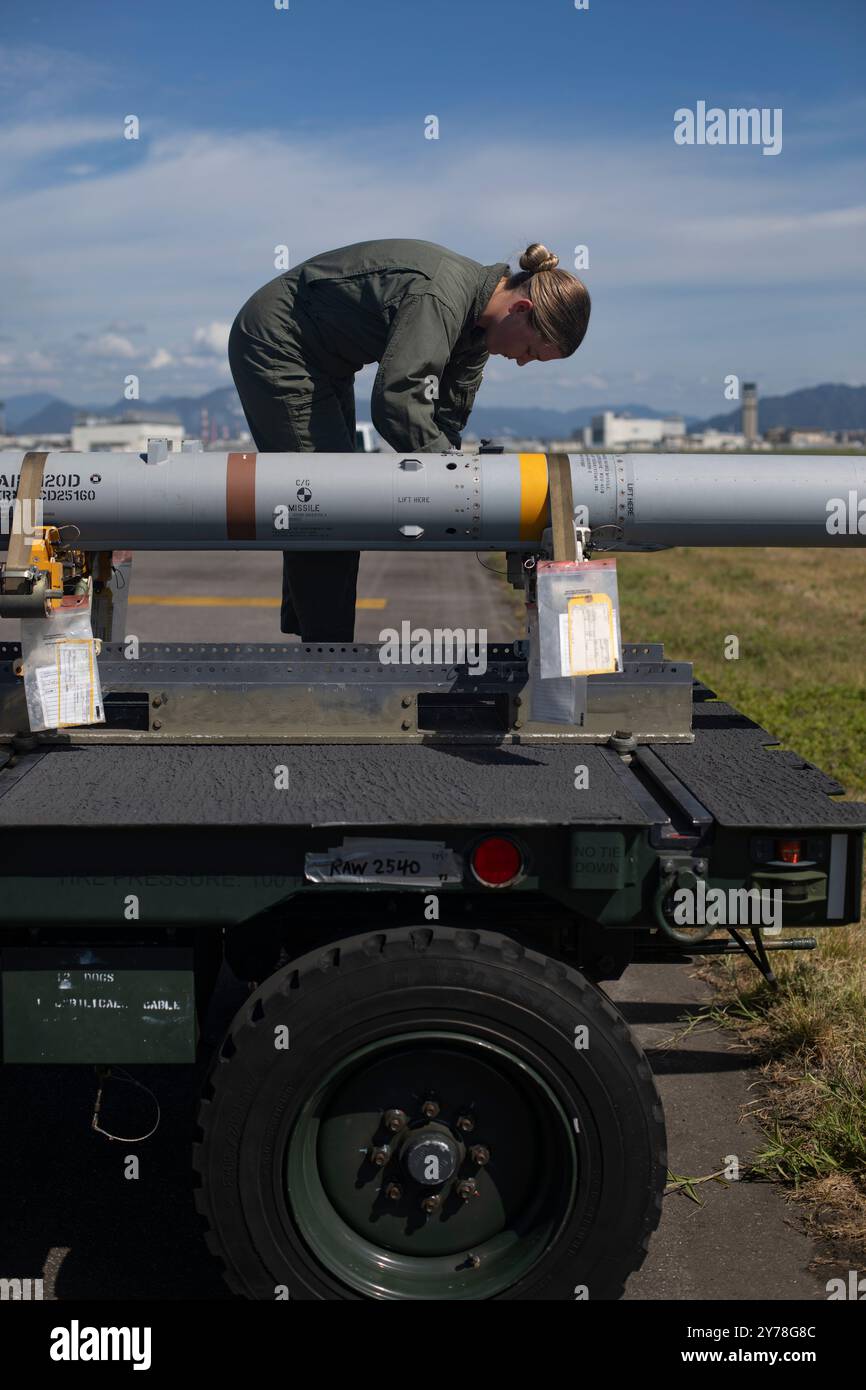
{"x": 560, "y": 302}
{"x": 537, "y": 257}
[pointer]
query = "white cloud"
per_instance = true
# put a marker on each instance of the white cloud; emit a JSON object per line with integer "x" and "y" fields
{"x": 695, "y": 263}
{"x": 210, "y": 366}
{"x": 46, "y": 79}
{"x": 37, "y": 361}
{"x": 109, "y": 345}
{"x": 775, "y": 229}
{"x": 214, "y": 338}
{"x": 29, "y": 140}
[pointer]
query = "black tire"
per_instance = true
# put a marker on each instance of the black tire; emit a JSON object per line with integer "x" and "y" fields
{"x": 476, "y": 996}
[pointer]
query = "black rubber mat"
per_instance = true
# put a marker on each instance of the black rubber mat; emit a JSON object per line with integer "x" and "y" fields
{"x": 742, "y": 782}
{"x": 406, "y": 784}
{"x": 729, "y": 768}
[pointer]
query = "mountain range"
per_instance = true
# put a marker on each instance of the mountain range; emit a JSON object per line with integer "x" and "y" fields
{"x": 830, "y": 406}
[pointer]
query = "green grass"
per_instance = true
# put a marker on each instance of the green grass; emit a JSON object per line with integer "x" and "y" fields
{"x": 800, "y": 617}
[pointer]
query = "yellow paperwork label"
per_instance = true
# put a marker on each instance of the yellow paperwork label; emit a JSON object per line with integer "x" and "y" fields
{"x": 587, "y": 636}
{"x": 68, "y": 690}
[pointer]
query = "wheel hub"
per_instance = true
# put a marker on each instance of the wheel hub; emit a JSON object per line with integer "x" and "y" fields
{"x": 431, "y": 1156}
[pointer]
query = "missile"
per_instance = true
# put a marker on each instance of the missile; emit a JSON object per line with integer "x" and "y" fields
{"x": 195, "y": 500}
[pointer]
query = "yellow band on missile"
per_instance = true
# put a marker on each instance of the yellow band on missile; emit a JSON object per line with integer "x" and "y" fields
{"x": 533, "y": 496}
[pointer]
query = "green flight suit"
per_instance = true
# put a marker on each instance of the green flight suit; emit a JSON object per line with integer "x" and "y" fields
{"x": 295, "y": 347}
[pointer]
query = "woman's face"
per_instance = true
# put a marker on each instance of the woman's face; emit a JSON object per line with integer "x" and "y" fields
{"x": 511, "y": 335}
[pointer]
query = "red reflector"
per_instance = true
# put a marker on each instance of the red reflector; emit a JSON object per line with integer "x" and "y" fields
{"x": 789, "y": 851}
{"x": 496, "y": 860}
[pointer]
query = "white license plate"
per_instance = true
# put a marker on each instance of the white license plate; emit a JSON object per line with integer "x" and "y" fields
{"x": 427, "y": 863}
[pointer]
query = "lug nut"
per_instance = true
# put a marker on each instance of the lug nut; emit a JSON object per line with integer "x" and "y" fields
{"x": 465, "y": 1122}
{"x": 396, "y": 1120}
{"x": 393, "y": 1192}
{"x": 380, "y": 1156}
{"x": 467, "y": 1190}
{"x": 480, "y": 1154}
{"x": 430, "y": 1109}
{"x": 432, "y": 1203}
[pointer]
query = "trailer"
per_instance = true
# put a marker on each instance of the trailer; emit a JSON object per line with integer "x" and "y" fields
{"x": 425, "y": 873}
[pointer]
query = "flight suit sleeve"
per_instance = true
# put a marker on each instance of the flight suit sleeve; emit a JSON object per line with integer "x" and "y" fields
{"x": 458, "y": 388}
{"x": 405, "y": 397}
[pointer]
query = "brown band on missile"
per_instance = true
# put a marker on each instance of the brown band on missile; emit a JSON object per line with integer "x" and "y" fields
{"x": 241, "y": 497}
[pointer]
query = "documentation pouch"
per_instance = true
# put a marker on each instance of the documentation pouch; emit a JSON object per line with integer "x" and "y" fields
{"x": 552, "y": 701}
{"x": 578, "y": 618}
{"x": 61, "y": 677}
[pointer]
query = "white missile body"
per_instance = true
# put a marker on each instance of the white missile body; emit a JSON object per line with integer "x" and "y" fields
{"x": 456, "y": 501}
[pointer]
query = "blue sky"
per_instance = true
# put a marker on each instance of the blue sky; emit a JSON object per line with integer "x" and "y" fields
{"x": 306, "y": 127}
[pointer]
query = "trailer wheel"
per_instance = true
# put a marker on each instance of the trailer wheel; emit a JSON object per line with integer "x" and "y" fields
{"x": 426, "y": 1113}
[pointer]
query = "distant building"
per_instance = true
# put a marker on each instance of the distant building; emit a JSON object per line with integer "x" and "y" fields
{"x": 750, "y": 411}
{"x": 716, "y": 440}
{"x": 128, "y": 434}
{"x": 366, "y": 438}
{"x": 802, "y": 439}
{"x": 233, "y": 444}
{"x": 612, "y": 431}
{"x": 48, "y": 442}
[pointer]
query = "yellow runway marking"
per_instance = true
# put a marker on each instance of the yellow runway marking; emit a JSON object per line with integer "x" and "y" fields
{"x": 229, "y": 601}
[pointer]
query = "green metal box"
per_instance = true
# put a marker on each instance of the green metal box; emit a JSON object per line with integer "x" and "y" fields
{"x": 99, "y": 1005}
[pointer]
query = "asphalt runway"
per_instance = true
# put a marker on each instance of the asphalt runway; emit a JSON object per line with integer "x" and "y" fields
{"x": 233, "y": 596}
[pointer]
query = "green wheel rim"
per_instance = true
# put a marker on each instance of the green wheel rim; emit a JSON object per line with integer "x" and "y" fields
{"x": 386, "y": 1246}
